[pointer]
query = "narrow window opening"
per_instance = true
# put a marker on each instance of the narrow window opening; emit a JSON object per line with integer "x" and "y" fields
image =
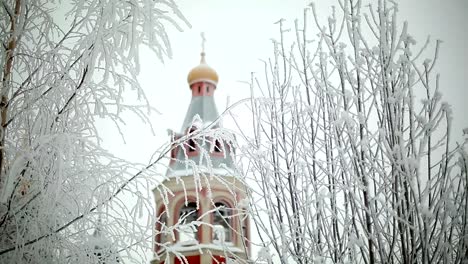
{"x": 199, "y": 89}
{"x": 217, "y": 147}
{"x": 192, "y": 147}
{"x": 207, "y": 89}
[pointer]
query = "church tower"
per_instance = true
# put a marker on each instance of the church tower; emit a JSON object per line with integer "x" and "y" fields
{"x": 202, "y": 219}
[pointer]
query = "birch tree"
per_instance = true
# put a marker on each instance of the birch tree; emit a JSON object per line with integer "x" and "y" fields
{"x": 65, "y": 65}
{"x": 352, "y": 158}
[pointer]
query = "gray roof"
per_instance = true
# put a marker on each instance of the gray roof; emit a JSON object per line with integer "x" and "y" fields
{"x": 204, "y": 107}
{"x": 202, "y": 113}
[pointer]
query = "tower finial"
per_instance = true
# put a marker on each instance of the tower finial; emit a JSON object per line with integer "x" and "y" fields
{"x": 202, "y": 34}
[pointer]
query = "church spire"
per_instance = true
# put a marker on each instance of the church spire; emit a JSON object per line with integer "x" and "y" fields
{"x": 204, "y": 214}
{"x": 201, "y": 113}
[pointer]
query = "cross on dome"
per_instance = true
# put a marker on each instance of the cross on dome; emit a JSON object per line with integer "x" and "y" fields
{"x": 202, "y": 34}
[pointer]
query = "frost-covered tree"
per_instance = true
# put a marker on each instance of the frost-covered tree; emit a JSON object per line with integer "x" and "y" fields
{"x": 352, "y": 153}
{"x": 66, "y": 65}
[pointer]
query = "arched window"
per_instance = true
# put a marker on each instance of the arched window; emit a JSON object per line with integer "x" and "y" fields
{"x": 221, "y": 224}
{"x": 188, "y": 232}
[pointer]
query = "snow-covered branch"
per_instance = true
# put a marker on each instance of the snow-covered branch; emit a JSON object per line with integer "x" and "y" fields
{"x": 352, "y": 154}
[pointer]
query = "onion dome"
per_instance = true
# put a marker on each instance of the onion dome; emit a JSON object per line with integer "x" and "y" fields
{"x": 202, "y": 72}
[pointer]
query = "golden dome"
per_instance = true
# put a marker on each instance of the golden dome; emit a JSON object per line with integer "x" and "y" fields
{"x": 202, "y": 72}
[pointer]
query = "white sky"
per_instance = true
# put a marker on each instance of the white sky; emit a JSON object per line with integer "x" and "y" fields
{"x": 238, "y": 35}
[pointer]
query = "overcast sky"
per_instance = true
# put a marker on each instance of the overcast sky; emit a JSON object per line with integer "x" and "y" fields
{"x": 239, "y": 34}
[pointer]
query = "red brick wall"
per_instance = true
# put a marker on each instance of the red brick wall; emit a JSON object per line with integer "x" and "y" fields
{"x": 190, "y": 259}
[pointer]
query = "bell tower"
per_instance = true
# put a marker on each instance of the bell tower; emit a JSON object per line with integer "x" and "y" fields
{"x": 202, "y": 218}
